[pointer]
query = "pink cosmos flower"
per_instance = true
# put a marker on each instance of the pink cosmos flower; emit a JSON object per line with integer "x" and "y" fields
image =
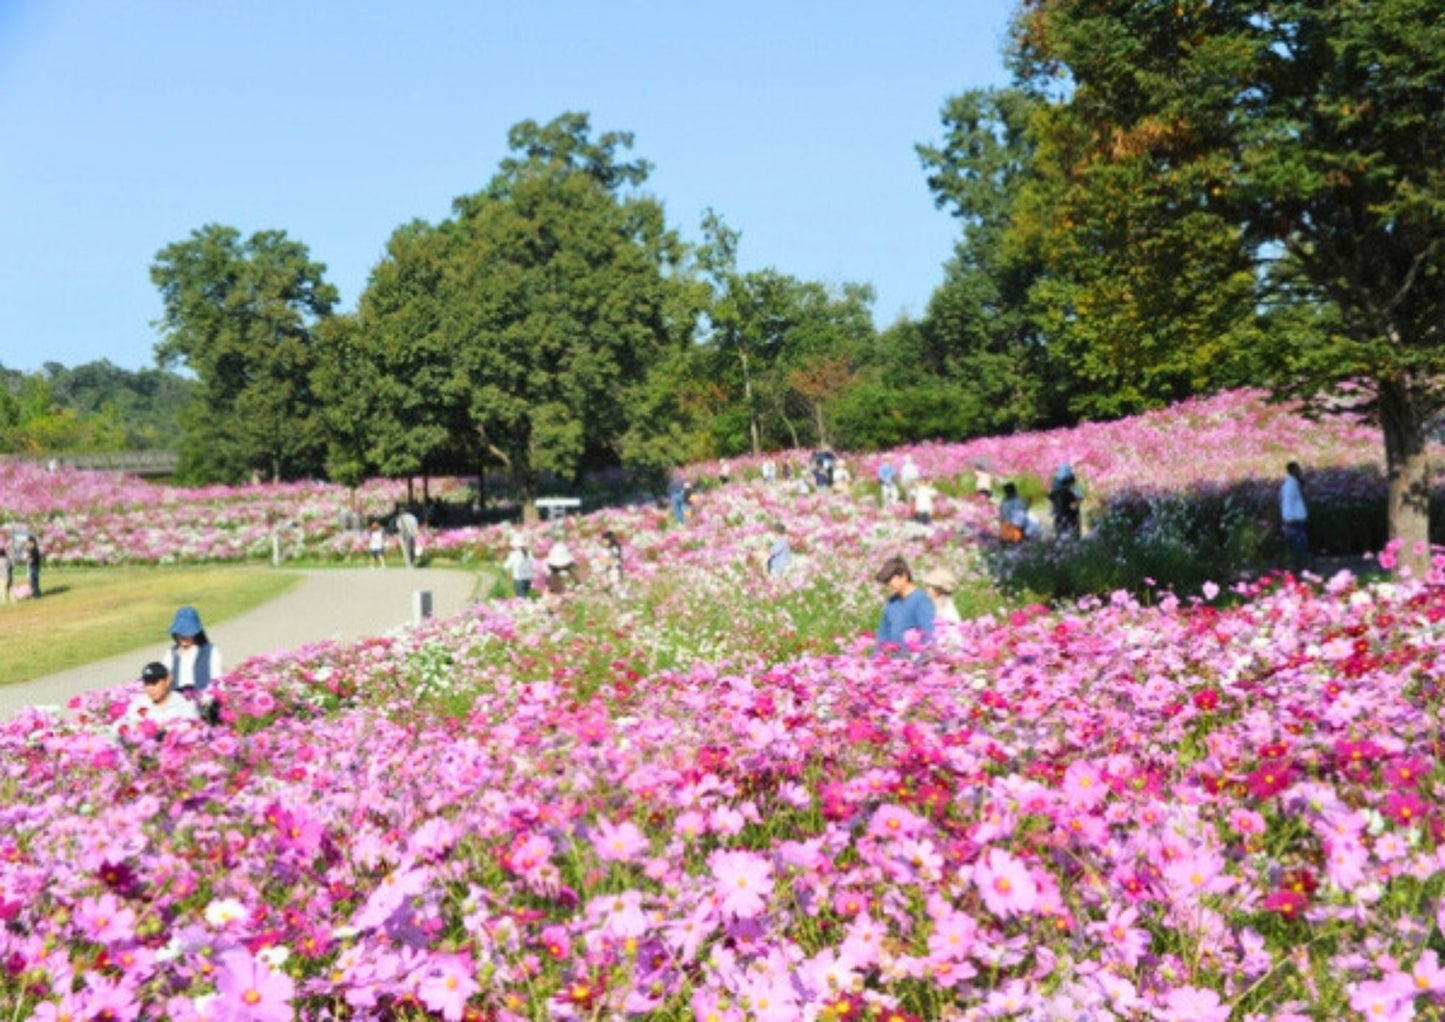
{"x": 105, "y": 920}
{"x": 1406, "y": 808}
{"x": 1123, "y": 939}
{"x": 621, "y": 842}
{"x": 251, "y": 991}
{"x": 744, "y": 880}
{"x": 1427, "y": 975}
{"x": 1383, "y": 1000}
{"x": 1407, "y": 772}
{"x": 1005, "y": 883}
{"x": 1084, "y": 785}
{"x": 445, "y": 984}
{"x": 1191, "y": 1004}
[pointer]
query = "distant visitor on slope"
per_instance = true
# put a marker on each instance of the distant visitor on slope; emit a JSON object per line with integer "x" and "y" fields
{"x": 1013, "y": 515}
{"x": 923, "y": 497}
{"x": 407, "y": 527}
{"x": 677, "y": 495}
{"x": 1065, "y": 498}
{"x": 1294, "y": 516}
{"x": 33, "y": 560}
{"x": 612, "y": 558}
{"x": 7, "y": 576}
{"x": 908, "y": 612}
{"x": 521, "y": 568}
{"x": 887, "y": 481}
{"x": 376, "y": 544}
{"x": 561, "y": 568}
{"x": 780, "y": 554}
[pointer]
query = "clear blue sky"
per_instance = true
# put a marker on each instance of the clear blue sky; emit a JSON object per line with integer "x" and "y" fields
{"x": 126, "y": 124}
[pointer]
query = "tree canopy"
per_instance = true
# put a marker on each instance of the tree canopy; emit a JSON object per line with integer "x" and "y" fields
{"x": 1295, "y": 147}
{"x": 241, "y": 315}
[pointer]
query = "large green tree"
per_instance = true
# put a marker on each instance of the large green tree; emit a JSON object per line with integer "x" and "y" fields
{"x": 981, "y": 330}
{"x": 525, "y": 327}
{"x": 1313, "y": 134}
{"x": 786, "y": 349}
{"x": 241, "y": 315}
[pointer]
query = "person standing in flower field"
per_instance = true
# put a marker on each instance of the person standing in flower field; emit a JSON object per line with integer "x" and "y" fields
{"x": 520, "y": 567}
{"x": 908, "y": 610}
{"x": 1065, "y": 498}
{"x": 612, "y": 554}
{"x": 33, "y": 559}
{"x": 7, "y": 575}
{"x": 1294, "y": 515}
{"x": 887, "y": 481}
{"x": 408, "y": 527}
{"x": 923, "y": 497}
{"x": 780, "y": 554}
{"x": 1013, "y": 515}
{"x": 376, "y": 543}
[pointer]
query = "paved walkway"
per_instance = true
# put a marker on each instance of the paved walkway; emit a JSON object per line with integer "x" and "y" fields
{"x": 330, "y": 603}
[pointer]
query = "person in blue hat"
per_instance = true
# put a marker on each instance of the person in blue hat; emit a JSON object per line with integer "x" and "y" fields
{"x": 1065, "y": 498}
{"x": 194, "y": 661}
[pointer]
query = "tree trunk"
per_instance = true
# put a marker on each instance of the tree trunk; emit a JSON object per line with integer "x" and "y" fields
{"x": 1407, "y": 467}
{"x": 528, "y": 487}
{"x": 754, "y": 432}
{"x": 823, "y": 438}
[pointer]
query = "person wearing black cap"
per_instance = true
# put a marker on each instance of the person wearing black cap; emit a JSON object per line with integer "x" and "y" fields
{"x": 908, "y": 610}
{"x": 156, "y": 702}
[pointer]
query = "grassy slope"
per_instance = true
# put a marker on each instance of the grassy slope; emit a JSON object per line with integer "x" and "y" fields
{"x": 89, "y": 614}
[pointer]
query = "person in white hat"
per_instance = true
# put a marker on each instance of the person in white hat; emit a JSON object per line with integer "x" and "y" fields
{"x": 521, "y": 567}
{"x": 940, "y": 584}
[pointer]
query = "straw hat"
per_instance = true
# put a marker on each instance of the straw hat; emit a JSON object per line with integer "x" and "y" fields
{"x": 941, "y": 579}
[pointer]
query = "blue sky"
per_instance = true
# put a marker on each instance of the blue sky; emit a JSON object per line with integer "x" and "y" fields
{"x": 127, "y": 124}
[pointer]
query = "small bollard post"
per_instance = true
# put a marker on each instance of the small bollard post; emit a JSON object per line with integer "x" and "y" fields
{"x": 420, "y": 605}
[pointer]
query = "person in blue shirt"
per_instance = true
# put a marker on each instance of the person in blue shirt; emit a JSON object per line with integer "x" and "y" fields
{"x": 908, "y": 609}
{"x": 677, "y": 493}
{"x": 780, "y": 555}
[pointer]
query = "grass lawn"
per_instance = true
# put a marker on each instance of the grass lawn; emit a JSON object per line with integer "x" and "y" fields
{"x": 89, "y": 614}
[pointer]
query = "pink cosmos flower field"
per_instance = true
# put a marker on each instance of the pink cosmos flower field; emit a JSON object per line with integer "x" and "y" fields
{"x": 697, "y": 793}
{"x": 100, "y": 519}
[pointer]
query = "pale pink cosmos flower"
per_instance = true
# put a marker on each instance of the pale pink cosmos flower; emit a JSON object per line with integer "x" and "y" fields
{"x": 445, "y": 984}
{"x": 1005, "y": 883}
{"x": 1193, "y": 1004}
{"x": 1084, "y": 785}
{"x": 1427, "y": 975}
{"x": 105, "y": 920}
{"x": 1121, "y": 937}
{"x": 251, "y": 991}
{"x": 621, "y": 842}
{"x": 1383, "y": 1000}
{"x": 744, "y": 882}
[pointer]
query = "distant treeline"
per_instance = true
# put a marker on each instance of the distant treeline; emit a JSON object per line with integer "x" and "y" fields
{"x": 93, "y": 407}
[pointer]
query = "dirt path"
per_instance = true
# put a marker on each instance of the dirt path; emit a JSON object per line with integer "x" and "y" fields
{"x": 331, "y": 603}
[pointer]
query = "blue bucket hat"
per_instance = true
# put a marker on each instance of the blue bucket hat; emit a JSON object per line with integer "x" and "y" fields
{"x": 1066, "y": 471}
{"x": 187, "y": 622}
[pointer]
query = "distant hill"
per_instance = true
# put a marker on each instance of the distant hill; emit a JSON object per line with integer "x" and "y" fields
{"x": 97, "y": 406}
